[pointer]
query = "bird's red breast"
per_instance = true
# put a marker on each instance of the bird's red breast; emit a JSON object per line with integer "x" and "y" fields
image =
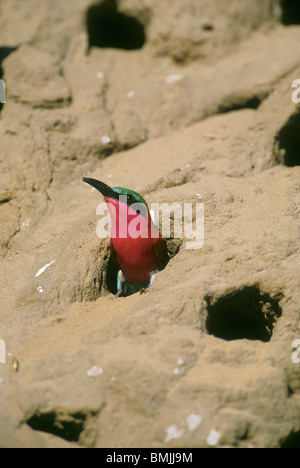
{"x": 136, "y": 241}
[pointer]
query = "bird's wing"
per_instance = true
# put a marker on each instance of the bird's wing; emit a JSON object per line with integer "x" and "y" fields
{"x": 161, "y": 253}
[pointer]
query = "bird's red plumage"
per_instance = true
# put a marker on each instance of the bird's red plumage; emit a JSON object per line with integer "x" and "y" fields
{"x": 138, "y": 245}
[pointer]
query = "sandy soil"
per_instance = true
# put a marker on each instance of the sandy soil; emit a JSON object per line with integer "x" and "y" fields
{"x": 186, "y": 104}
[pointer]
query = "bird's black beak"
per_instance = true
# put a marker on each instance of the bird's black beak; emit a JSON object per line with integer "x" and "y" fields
{"x": 106, "y": 190}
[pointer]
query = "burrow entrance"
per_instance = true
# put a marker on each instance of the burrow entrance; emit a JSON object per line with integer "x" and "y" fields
{"x": 67, "y": 426}
{"x": 107, "y": 27}
{"x": 287, "y": 142}
{"x": 290, "y": 12}
{"x": 291, "y": 441}
{"x": 242, "y": 314}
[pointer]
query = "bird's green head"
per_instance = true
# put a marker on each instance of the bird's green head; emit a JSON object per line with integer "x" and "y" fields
{"x": 132, "y": 197}
{"x": 121, "y": 194}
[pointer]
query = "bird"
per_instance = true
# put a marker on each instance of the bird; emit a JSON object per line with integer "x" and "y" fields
{"x": 137, "y": 248}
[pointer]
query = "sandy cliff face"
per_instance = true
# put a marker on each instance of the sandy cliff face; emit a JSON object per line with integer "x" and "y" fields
{"x": 184, "y": 104}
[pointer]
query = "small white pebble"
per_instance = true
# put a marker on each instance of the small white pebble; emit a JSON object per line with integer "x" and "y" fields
{"x": 198, "y": 195}
{"x": 180, "y": 362}
{"x": 173, "y": 79}
{"x": 25, "y": 224}
{"x": 40, "y": 289}
{"x": 173, "y": 433}
{"x": 109, "y": 176}
{"x": 100, "y": 75}
{"x": 131, "y": 94}
{"x": 2, "y": 380}
{"x": 105, "y": 140}
{"x": 176, "y": 371}
{"x": 94, "y": 371}
{"x": 213, "y": 438}
{"x": 193, "y": 421}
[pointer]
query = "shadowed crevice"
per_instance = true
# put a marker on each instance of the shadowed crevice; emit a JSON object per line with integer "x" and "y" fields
{"x": 5, "y": 52}
{"x": 5, "y": 201}
{"x": 240, "y": 102}
{"x": 252, "y": 103}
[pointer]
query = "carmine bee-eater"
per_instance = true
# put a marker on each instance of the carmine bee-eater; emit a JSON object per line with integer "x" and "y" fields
{"x": 136, "y": 245}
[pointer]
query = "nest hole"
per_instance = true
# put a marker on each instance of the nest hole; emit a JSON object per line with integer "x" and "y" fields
{"x": 288, "y": 141}
{"x": 291, "y": 441}
{"x": 69, "y": 427}
{"x": 107, "y": 27}
{"x": 243, "y": 314}
{"x": 290, "y": 12}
